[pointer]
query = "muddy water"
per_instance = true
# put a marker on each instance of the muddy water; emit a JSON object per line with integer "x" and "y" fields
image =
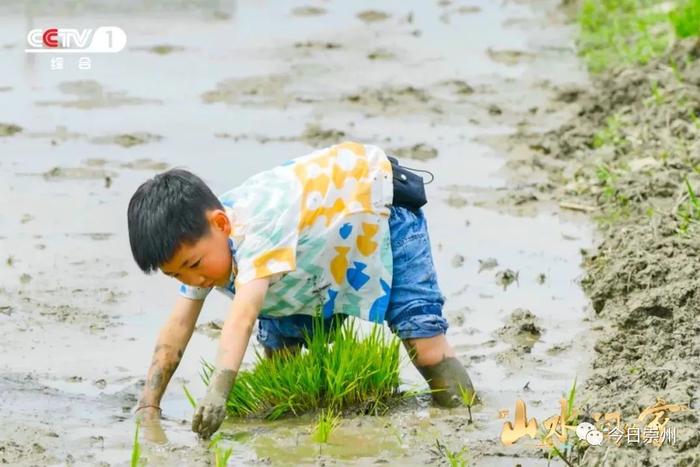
{"x": 227, "y": 89}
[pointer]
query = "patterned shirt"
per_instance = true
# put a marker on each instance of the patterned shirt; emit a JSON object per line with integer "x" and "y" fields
{"x": 318, "y": 227}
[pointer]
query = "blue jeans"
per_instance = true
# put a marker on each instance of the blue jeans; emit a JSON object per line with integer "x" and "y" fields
{"x": 415, "y": 304}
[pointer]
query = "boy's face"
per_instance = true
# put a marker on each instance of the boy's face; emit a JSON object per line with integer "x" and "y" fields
{"x": 207, "y": 262}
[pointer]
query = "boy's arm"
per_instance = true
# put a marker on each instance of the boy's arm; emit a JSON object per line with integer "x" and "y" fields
{"x": 233, "y": 342}
{"x": 171, "y": 343}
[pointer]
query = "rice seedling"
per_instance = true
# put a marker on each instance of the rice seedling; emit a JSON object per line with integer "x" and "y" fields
{"x": 221, "y": 455}
{"x": 455, "y": 458}
{"x": 686, "y": 18}
{"x": 688, "y": 212}
{"x": 468, "y": 399}
{"x": 572, "y": 447}
{"x": 136, "y": 448}
{"x": 190, "y": 399}
{"x": 328, "y": 421}
{"x": 339, "y": 369}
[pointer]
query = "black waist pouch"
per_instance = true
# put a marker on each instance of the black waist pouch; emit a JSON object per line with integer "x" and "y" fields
{"x": 409, "y": 189}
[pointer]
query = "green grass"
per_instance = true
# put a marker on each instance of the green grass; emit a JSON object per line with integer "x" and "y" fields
{"x": 628, "y": 32}
{"x": 686, "y": 18}
{"x": 328, "y": 421}
{"x": 611, "y": 135}
{"x": 688, "y": 212}
{"x": 610, "y": 191}
{"x": 622, "y": 32}
{"x": 136, "y": 449}
{"x": 454, "y": 458}
{"x": 351, "y": 372}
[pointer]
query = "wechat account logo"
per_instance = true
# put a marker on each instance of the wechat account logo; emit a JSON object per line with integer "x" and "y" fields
{"x": 587, "y": 432}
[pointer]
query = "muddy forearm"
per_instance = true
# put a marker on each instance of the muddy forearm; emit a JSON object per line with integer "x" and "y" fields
{"x": 172, "y": 340}
{"x": 166, "y": 359}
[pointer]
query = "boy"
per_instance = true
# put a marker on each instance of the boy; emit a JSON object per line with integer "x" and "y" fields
{"x": 317, "y": 231}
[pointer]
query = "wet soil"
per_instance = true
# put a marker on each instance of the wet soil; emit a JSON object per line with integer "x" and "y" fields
{"x": 626, "y": 158}
{"x": 453, "y": 87}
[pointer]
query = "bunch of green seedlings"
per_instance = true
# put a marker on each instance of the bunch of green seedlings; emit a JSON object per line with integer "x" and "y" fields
{"x": 338, "y": 370}
{"x": 328, "y": 421}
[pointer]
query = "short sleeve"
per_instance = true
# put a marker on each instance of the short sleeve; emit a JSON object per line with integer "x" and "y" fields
{"x": 194, "y": 293}
{"x": 268, "y": 248}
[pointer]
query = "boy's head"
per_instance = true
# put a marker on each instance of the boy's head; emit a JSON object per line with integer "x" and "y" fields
{"x": 178, "y": 225}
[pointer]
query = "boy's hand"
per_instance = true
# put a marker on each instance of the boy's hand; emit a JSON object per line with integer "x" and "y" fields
{"x": 211, "y": 410}
{"x": 235, "y": 335}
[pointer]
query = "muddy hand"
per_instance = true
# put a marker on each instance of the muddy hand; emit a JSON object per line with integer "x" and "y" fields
{"x": 211, "y": 410}
{"x": 449, "y": 379}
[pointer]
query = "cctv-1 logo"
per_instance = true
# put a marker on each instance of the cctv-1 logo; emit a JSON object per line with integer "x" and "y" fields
{"x": 104, "y": 39}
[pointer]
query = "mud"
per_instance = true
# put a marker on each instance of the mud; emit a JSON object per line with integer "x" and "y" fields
{"x": 420, "y": 151}
{"x": 308, "y": 11}
{"x": 128, "y": 140}
{"x": 78, "y": 336}
{"x": 627, "y": 154}
{"x": 9, "y": 129}
{"x": 373, "y": 16}
{"x": 162, "y": 49}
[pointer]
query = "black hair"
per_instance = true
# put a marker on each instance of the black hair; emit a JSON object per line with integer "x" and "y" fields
{"x": 165, "y": 212}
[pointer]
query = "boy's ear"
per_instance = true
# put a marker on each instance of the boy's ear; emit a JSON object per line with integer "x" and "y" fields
{"x": 219, "y": 221}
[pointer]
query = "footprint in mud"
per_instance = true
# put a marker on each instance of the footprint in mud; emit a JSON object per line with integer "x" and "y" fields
{"x": 458, "y": 86}
{"x": 372, "y": 16}
{"x": 127, "y": 140}
{"x": 9, "y": 129}
{"x": 420, "y": 152}
{"x": 399, "y": 100}
{"x": 506, "y": 277}
{"x": 509, "y": 57}
{"x": 521, "y": 331}
{"x": 487, "y": 264}
{"x": 89, "y": 94}
{"x": 308, "y": 11}
{"x": 315, "y": 135}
